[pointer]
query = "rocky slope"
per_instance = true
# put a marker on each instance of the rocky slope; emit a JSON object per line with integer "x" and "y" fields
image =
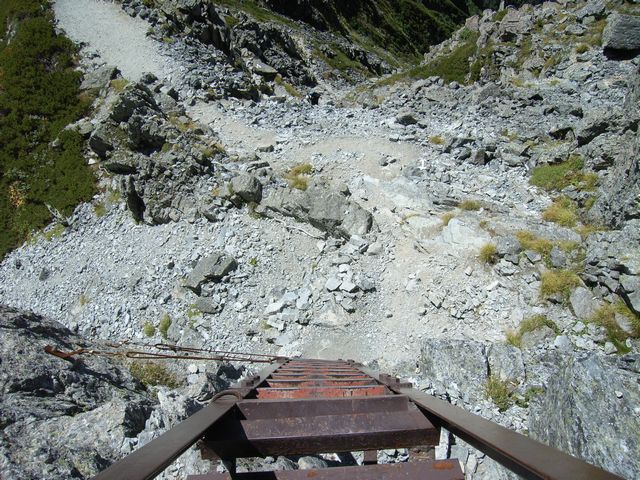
{"x": 498, "y": 203}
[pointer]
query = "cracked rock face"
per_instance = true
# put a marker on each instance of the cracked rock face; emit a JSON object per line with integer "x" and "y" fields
{"x": 49, "y": 406}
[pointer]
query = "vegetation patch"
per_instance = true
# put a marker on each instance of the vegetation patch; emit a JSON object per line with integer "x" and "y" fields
{"x": 446, "y": 218}
{"x": 499, "y": 392}
{"x": 514, "y": 337}
{"x": 39, "y": 96}
{"x": 561, "y": 175}
{"x": 153, "y": 374}
{"x": 148, "y": 329}
{"x": 469, "y": 205}
{"x": 436, "y": 140}
{"x": 488, "y": 253}
{"x": 605, "y": 316}
{"x": 558, "y": 282}
{"x": 163, "y": 326}
{"x": 290, "y": 89}
{"x": 298, "y": 176}
{"x": 531, "y": 241}
{"x": 562, "y": 211}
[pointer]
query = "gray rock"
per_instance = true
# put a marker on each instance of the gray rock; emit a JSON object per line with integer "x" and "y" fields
{"x": 406, "y": 118}
{"x": 631, "y": 287}
{"x": 583, "y": 303}
{"x": 246, "y": 187}
{"x": 135, "y": 99}
{"x": 589, "y": 420}
{"x": 210, "y": 269}
{"x": 99, "y": 78}
{"x": 533, "y": 256}
{"x": 311, "y": 463}
{"x": 458, "y": 365}
{"x": 562, "y": 342}
{"x": 333, "y": 284}
{"x": 103, "y": 140}
{"x": 324, "y": 209}
{"x": 505, "y": 362}
{"x": 508, "y": 245}
{"x": 622, "y": 32}
{"x": 558, "y": 258}
{"x": 609, "y": 348}
{"x": 537, "y": 336}
{"x": 49, "y": 407}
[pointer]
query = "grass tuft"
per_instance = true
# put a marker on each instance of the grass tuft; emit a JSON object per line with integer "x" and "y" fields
{"x": 558, "y": 176}
{"x": 562, "y": 211}
{"x": 436, "y": 140}
{"x": 488, "y": 253}
{"x": 469, "y": 205}
{"x": 558, "y": 282}
{"x": 499, "y": 392}
{"x": 605, "y": 316}
{"x": 148, "y": 329}
{"x": 298, "y": 176}
{"x": 163, "y": 326}
{"x": 153, "y": 374}
{"x": 514, "y": 337}
{"x": 446, "y": 218}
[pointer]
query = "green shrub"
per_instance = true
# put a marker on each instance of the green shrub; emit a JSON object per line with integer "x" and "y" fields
{"x": 152, "y": 374}
{"x": 499, "y": 392}
{"x": 487, "y": 253}
{"x": 163, "y": 326}
{"x": 558, "y": 282}
{"x": 39, "y": 96}
{"x": 562, "y": 211}
{"x": 561, "y": 175}
{"x": 529, "y": 325}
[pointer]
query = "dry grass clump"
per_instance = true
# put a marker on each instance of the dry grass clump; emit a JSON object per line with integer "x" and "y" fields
{"x": 298, "y": 176}
{"x": 436, "y": 140}
{"x": 558, "y": 282}
{"x": 469, "y": 205}
{"x": 163, "y": 326}
{"x": 446, "y": 217}
{"x": 488, "y": 253}
{"x": 514, "y": 337}
{"x": 152, "y": 374}
{"x": 605, "y": 316}
{"x": 562, "y": 211}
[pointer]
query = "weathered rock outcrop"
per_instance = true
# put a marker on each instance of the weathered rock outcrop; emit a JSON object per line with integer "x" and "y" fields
{"x": 590, "y": 409}
{"x": 325, "y": 209}
{"x": 51, "y": 407}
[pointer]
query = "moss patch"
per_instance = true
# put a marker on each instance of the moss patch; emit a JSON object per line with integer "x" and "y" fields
{"x": 561, "y": 175}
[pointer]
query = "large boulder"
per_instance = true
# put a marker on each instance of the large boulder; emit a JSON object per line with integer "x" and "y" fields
{"x": 325, "y": 209}
{"x": 60, "y": 419}
{"x": 622, "y": 32}
{"x": 590, "y": 410}
{"x": 210, "y": 269}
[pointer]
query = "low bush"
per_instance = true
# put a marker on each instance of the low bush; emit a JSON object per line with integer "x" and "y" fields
{"x": 469, "y": 205}
{"x": 163, "y": 326}
{"x": 499, "y": 392}
{"x": 560, "y": 175}
{"x": 605, "y": 316}
{"x": 298, "y": 176}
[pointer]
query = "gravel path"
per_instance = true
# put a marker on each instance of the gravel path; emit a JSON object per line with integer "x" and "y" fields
{"x": 119, "y": 39}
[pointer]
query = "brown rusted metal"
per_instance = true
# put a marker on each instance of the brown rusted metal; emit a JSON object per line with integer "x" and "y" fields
{"x": 150, "y": 460}
{"x": 307, "y": 392}
{"x": 519, "y": 453}
{"x": 319, "y": 382}
{"x": 312, "y": 407}
{"x": 323, "y": 433}
{"x": 437, "y": 470}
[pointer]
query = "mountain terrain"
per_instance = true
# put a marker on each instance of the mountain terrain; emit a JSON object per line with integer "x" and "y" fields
{"x": 438, "y": 190}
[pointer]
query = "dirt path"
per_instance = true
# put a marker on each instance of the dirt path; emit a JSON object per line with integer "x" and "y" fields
{"x": 119, "y": 39}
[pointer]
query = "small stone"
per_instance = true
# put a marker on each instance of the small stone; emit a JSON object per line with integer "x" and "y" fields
{"x": 579, "y": 327}
{"x": 468, "y": 271}
{"x": 618, "y": 393}
{"x": 609, "y": 348}
{"x": 274, "y": 307}
{"x": 348, "y": 286}
{"x": 192, "y": 368}
{"x": 333, "y": 284}
{"x": 492, "y": 286}
{"x": 562, "y": 342}
{"x": 374, "y": 249}
{"x": 533, "y": 256}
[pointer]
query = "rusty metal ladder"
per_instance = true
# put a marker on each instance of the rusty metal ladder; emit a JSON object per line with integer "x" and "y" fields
{"x": 301, "y": 407}
{"x": 316, "y": 406}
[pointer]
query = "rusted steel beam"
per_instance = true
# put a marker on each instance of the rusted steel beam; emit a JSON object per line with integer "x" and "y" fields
{"x": 521, "y": 454}
{"x": 320, "y": 382}
{"x": 325, "y": 433}
{"x": 312, "y": 407}
{"x": 150, "y": 460}
{"x": 296, "y": 376}
{"x": 309, "y": 392}
{"x": 437, "y": 470}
